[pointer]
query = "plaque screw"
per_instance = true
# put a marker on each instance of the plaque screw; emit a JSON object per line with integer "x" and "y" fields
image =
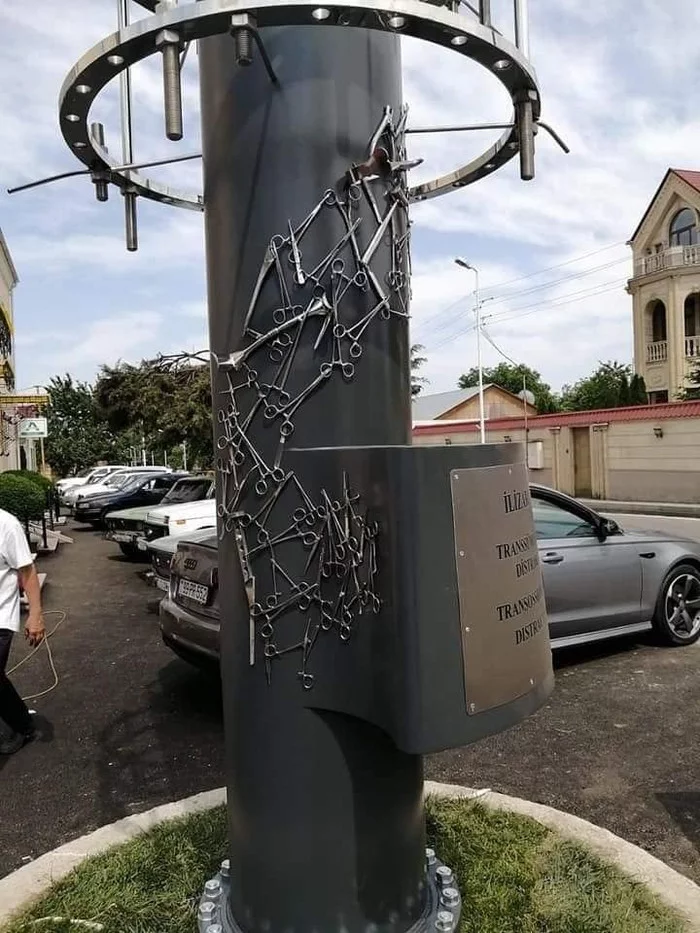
{"x": 472, "y": 707}
{"x": 214, "y": 928}
{"x": 445, "y": 921}
{"x": 532, "y": 682}
{"x": 225, "y": 868}
{"x": 430, "y": 856}
{"x": 444, "y": 876}
{"x": 461, "y": 553}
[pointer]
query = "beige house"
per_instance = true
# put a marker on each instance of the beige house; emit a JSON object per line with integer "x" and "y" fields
{"x": 641, "y": 454}
{"x": 9, "y": 442}
{"x": 665, "y": 286}
{"x": 8, "y": 281}
{"x": 463, "y": 405}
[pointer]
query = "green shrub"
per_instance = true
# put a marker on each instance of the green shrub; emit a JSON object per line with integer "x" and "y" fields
{"x": 41, "y": 481}
{"x": 21, "y": 497}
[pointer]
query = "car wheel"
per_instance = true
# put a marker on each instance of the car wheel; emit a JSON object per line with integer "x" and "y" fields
{"x": 129, "y": 550}
{"x": 677, "y": 615}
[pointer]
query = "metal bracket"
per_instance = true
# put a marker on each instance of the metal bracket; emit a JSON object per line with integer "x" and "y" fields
{"x": 438, "y": 25}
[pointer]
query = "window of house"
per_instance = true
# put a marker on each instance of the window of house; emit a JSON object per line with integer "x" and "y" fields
{"x": 658, "y": 321}
{"x": 683, "y": 230}
{"x": 658, "y": 398}
{"x": 692, "y": 315}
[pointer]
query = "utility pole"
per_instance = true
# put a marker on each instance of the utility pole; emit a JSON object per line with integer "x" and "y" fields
{"x": 477, "y": 310}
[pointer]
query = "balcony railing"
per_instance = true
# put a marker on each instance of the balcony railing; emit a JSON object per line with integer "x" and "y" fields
{"x": 692, "y": 347}
{"x": 671, "y": 258}
{"x": 657, "y": 352}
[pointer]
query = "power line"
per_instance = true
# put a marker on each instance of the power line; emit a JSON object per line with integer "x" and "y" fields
{"x": 512, "y": 313}
{"x": 550, "y": 284}
{"x": 559, "y": 265}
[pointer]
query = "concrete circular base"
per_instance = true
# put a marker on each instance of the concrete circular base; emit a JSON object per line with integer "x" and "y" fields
{"x": 20, "y": 888}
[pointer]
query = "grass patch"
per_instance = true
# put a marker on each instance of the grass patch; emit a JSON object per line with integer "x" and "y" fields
{"x": 515, "y": 876}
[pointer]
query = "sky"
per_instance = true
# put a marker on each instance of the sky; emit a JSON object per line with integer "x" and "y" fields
{"x": 618, "y": 84}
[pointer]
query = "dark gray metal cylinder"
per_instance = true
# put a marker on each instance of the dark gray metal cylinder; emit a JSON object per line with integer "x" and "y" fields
{"x": 326, "y": 826}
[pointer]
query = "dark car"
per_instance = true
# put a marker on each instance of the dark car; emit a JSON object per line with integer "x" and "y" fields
{"x": 600, "y": 581}
{"x": 141, "y": 489}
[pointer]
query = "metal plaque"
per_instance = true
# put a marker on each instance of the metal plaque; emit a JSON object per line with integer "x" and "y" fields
{"x": 505, "y": 638}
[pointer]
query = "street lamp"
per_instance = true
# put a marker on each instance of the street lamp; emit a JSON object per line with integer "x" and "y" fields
{"x": 465, "y": 265}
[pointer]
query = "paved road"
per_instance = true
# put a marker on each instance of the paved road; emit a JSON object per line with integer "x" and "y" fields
{"x": 131, "y": 727}
{"x": 128, "y": 727}
{"x": 617, "y": 744}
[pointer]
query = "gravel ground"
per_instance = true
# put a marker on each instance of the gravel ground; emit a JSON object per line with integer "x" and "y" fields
{"x": 130, "y": 726}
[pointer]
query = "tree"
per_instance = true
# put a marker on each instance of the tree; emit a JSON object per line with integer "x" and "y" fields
{"x": 167, "y": 401}
{"x": 612, "y": 385}
{"x": 511, "y": 378}
{"x": 78, "y": 433}
{"x": 638, "y": 391}
{"x": 417, "y": 382}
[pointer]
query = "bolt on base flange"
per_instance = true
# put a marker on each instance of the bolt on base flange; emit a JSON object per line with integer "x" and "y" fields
{"x": 443, "y": 904}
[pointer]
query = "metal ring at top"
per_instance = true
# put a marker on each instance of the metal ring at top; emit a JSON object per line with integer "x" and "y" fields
{"x": 205, "y": 18}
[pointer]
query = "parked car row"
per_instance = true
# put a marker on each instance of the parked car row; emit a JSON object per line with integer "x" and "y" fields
{"x": 599, "y": 580}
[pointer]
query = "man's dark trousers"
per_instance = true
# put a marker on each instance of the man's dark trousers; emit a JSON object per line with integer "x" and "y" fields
{"x": 13, "y": 709}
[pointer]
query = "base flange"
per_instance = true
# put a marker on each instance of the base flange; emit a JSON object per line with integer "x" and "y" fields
{"x": 443, "y": 903}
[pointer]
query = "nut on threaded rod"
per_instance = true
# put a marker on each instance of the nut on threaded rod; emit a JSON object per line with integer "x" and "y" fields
{"x": 168, "y": 42}
{"x": 242, "y": 26}
{"x": 99, "y": 179}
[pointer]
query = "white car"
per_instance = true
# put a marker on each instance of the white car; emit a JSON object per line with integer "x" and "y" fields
{"x": 92, "y": 475}
{"x": 115, "y": 479}
{"x": 179, "y": 519}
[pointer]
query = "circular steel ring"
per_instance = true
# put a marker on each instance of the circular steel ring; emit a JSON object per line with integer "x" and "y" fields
{"x": 205, "y": 18}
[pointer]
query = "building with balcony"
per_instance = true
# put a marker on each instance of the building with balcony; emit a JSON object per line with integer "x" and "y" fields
{"x": 8, "y": 281}
{"x": 665, "y": 286}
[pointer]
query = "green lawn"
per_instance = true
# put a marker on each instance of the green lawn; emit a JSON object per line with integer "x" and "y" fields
{"x": 515, "y": 876}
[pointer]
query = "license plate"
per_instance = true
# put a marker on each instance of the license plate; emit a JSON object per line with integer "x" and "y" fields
{"x": 121, "y": 537}
{"x": 195, "y": 591}
{"x": 165, "y": 584}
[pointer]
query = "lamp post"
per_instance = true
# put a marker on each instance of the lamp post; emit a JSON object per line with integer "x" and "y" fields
{"x": 465, "y": 265}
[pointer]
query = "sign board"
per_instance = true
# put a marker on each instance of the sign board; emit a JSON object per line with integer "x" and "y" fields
{"x": 33, "y": 428}
{"x": 505, "y": 637}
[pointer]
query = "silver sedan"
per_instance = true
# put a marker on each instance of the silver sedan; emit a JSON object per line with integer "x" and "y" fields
{"x": 601, "y": 581}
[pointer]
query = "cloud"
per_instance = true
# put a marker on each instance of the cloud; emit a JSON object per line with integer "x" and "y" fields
{"x": 618, "y": 87}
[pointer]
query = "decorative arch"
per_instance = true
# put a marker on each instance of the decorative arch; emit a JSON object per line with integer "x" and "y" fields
{"x": 691, "y": 314}
{"x": 683, "y": 229}
{"x": 656, "y": 321}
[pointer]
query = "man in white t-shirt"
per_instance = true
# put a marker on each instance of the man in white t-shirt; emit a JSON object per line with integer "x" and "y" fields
{"x": 16, "y": 567}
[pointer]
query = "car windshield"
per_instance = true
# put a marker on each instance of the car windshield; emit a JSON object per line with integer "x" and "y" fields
{"x": 188, "y": 490}
{"x": 131, "y": 480}
{"x": 117, "y": 480}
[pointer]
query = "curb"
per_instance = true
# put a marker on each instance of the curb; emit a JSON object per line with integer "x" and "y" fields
{"x": 19, "y": 888}
{"x": 672, "y": 509}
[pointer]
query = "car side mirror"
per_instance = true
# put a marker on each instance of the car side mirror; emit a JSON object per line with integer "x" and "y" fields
{"x": 608, "y": 527}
